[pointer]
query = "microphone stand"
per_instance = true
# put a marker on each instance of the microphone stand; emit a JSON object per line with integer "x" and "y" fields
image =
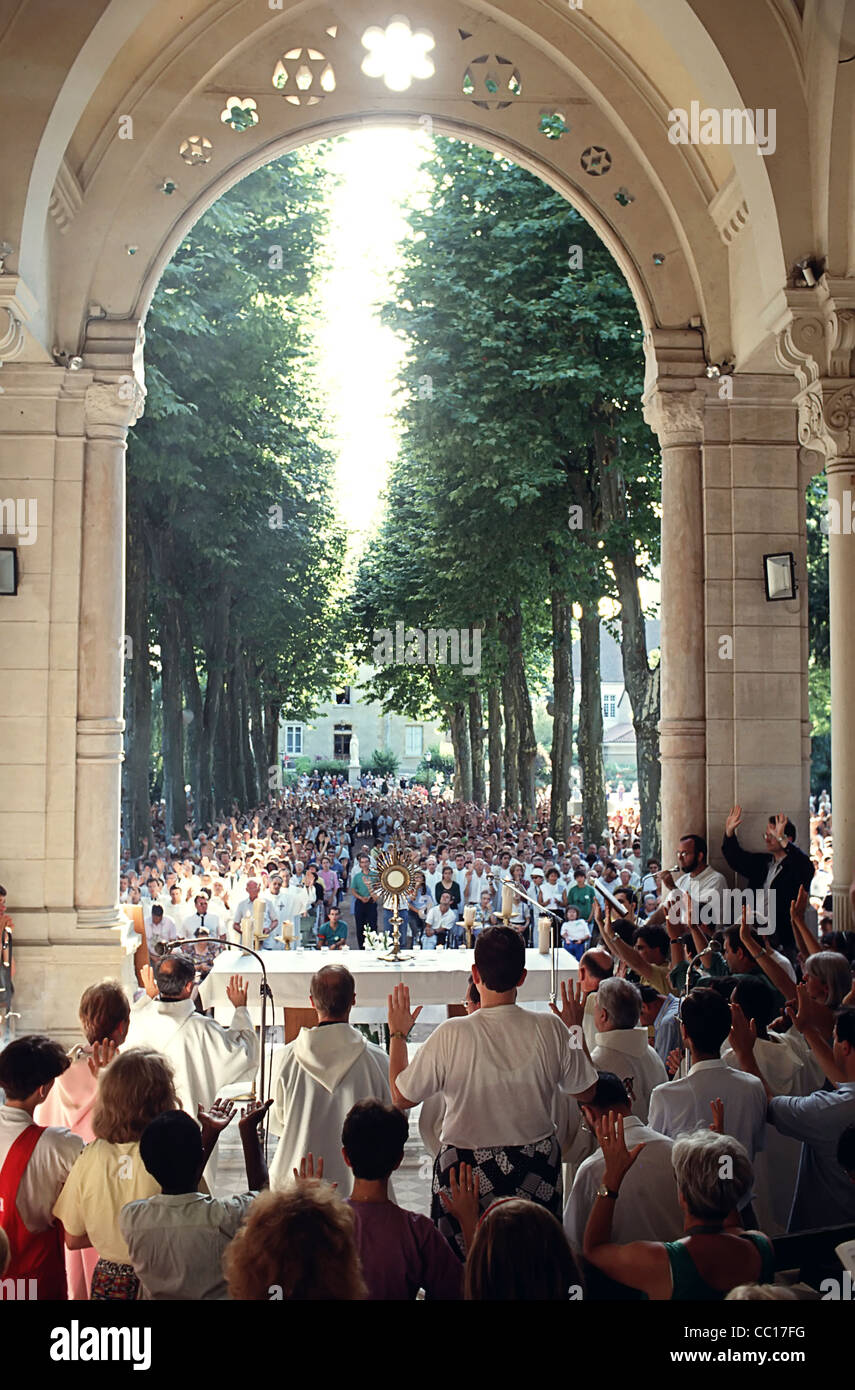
{"x": 546, "y": 912}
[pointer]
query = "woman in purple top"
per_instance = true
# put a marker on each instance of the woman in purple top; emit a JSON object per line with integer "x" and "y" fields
{"x": 401, "y": 1252}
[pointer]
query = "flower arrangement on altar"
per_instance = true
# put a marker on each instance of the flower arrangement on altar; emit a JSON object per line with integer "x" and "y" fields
{"x": 378, "y": 940}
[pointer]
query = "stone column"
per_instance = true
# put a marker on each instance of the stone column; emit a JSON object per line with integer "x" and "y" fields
{"x": 840, "y": 418}
{"x": 111, "y": 407}
{"x": 674, "y": 410}
{"x": 817, "y": 342}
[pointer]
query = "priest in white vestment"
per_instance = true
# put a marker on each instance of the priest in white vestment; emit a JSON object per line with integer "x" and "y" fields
{"x": 621, "y": 1046}
{"x": 319, "y": 1077}
{"x": 206, "y": 1056}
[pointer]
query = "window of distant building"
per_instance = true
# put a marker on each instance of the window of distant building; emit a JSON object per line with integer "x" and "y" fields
{"x": 293, "y": 739}
{"x": 414, "y": 741}
{"x": 609, "y": 706}
{"x": 342, "y": 734}
{"x": 342, "y": 697}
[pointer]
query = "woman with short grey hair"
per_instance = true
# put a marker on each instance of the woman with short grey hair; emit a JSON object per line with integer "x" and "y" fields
{"x": 828, "y": 976}
{"x": 713, "y": 1174}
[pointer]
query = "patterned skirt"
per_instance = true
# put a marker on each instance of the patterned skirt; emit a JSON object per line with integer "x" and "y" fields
{"x": 113, "y": 1282}
{"x": 532, "y": 1171}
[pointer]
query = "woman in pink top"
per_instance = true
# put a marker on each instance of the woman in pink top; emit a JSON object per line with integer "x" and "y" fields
{"x": 104, "y": 1017}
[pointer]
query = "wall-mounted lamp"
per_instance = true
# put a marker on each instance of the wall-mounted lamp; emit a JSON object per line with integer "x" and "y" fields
{"x": 808, "y": 271}
{"x": 8, "y": 571}
{"x": 65, "y": 359}
{"x": 779, "y": 576}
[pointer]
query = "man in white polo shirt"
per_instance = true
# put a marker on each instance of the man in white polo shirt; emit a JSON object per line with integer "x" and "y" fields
{"x": 498, "y": 1070}
{"x": 680, "y": 1106}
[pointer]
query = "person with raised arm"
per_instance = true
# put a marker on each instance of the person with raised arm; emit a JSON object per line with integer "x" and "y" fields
{"x": 498, "y": 1070}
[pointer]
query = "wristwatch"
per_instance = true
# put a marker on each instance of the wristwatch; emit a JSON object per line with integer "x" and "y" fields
{"x": 603, "y": 1191}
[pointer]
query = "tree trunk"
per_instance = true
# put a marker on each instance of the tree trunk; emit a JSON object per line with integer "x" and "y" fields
{"x": 173, "y": 722}
{"x": 594, "y": 809}
{"x": 494, "y": 744}
{"x": 642, "y": 683}
{"x": 272, "y": 711}
{"x": 237, "y": 771}
{"x": 562, "y": 714}
{"x": 263, "y": 766}
{"x": 250, "y": 784}
{"x": 221, "y": 762}
{"x": 511, "y": 628}
{"x": 512, "y": 743}
{"x": 136, "y": 799}
{"x": 193, "y": 716}
{"x": 458, "y": 721}
{"x": 476, "y": 740}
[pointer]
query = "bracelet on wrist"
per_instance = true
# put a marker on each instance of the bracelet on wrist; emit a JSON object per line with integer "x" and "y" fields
{"x": 398, "y": 1034}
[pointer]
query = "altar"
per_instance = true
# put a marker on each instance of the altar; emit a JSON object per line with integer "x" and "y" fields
{"x": 433, "y": 977}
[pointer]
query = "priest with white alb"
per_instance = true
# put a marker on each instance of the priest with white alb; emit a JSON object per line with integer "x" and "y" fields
{"x": 319, "y": 1077}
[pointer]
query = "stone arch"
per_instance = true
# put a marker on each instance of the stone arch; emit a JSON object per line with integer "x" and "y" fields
{"x": 342, "y": 125}
{"x": 732, "y": 225}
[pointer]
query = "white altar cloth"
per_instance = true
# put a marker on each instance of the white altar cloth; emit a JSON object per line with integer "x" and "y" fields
{"x": 434, "y": 977}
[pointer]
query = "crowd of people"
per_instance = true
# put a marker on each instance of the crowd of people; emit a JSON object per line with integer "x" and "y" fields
{"x": 686, "y": 1101}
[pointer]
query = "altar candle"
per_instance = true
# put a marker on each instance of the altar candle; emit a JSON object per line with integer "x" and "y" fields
{"x": 507, "y": 900}
{"x": 246, "y": 932}
{"x": 544, "y": 935}
{"x": 257, "y": 920}
{"x": 469, "y": 916}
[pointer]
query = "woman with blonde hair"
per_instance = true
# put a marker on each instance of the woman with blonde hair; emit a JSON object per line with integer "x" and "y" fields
{"x": 132, "y": 1090}
{"x": 296, "y": 1245}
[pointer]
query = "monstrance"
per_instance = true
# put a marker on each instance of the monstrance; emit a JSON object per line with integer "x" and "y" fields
{"x": 393, "y": 881}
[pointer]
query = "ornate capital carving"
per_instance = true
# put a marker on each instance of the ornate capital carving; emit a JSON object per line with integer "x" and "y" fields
{"x": 677, "y": 417}
{"x": 817, "y": 345}
{"x": 114, "y": 405}
{"x": 11, "y": 335}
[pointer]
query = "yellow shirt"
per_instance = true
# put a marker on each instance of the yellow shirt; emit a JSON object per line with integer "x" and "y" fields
{"x": 659, "y": 976}
{"x": 103, "y": 1180}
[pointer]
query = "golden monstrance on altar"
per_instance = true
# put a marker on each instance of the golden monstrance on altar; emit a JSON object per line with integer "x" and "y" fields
{"x": 393, "y": 880}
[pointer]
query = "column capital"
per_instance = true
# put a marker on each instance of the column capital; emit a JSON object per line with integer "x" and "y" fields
{"x": 816, "y": 342}
{"x": 113, "y": 406}
{"x": 675, "y": 414}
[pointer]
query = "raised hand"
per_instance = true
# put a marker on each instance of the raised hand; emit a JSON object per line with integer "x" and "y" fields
{"x": 216, "y": 1118}
{"x": 307, "y": 1171}
{"x": 675, "y": 1057}
{"x": 618, "y": 1158}
{"x": 717, "y": 1107}
{"x": 733, "y": 820}
{"x": 572, "y": 1007}
{"x": 149, "y": 983}
{"x": 398, "y": 1013}
{"x": 461, "y": 1201}
{"x": 745, "y": 936}
{"x": 252, "y": 1115}
{"x": 798, "y": 907}
{"x": 236, "y": 992}
{"x": 743, "y": 1033}
{"x": 102, "y": 1055}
